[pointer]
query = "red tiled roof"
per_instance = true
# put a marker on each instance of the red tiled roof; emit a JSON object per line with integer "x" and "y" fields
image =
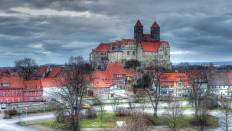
{"x": 33, "y": 85}
{"x": 55, "y": 71}
{"x": 130, "y": 73}
{"x": 152, "y": 46}
{"x": 103, "y": 47}
{"x": 14, "y": 82}
{"x": 155, "y": 24}
{"x": 173, "y": 77}
{"x": 116, "y": 68}
{"x": 129, "y": 40}
{"x": 101, "y": 79}
{"x": 138, "y": 23}
{"x": 42, "y": 70}
{"x": 147, "y": 36}
{"x": 52, "y": 82}
{"x": 119, "y": 42}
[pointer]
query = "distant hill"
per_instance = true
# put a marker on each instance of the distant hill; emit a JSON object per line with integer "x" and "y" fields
{"x": 221, "y": 63}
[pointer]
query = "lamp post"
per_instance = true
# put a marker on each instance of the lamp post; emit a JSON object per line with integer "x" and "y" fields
{"x": 26, "y": 114}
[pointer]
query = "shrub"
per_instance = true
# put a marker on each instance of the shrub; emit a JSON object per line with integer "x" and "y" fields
{"x": 10, "y": 112}
{"x": 91, "y": 113}
{"x": 122, "y": 111}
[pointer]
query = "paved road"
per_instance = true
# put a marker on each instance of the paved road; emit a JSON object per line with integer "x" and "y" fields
{"x": 10, "y": 124}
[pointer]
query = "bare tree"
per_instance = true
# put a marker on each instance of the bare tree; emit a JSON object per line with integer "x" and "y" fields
{"x": 151, "y": 83}
{"x": 28, "y": 68}
{"x": 198, "y": 89}
{"x": 72, "y": 87}
{"x": 203, "y": 115}
{"x": 225, "y": 115}
{"x": 174, "y": 113}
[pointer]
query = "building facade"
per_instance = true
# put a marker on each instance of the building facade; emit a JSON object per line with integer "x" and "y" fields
{"x": 144, "y": 48}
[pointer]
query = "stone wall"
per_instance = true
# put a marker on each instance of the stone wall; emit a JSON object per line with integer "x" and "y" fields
{"x": 35, "y": 107}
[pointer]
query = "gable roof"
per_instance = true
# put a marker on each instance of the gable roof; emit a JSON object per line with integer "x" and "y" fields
{"x": 14, "y": 82}
{"x": 103, "y": 47}
{"x": 129, "y": 40}
{"x": 138, "y": 23}
{"x": 152, "y": 46}
{"x": 173, "y": 77}
{"x": 55, "y": 71}
{"x": 33, "y": 85}
{"x": 42, "y": 70}
{"x": 155, "y": 24}
{"x": 101, "y": 79}
{"x": 116, "y": 68}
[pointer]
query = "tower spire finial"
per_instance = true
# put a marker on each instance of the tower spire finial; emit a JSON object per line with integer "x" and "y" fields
{"x": 138, "y": 18}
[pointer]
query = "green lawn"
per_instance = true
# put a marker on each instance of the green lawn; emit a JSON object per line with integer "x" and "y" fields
{"x": 109, "y": 121}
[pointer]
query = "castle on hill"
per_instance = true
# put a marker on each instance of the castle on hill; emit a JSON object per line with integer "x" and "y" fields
{"x": 145, "y": 48}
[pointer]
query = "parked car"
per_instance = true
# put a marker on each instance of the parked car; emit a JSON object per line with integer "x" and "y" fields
{"x": 3, "y": 106}
{"x": 86, "y": 106}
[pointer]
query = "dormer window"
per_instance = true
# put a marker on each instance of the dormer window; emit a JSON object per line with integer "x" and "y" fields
{"x": 38, "y": 86}
{"x": 28, "y": 87}
{"x": 6, "y": 84}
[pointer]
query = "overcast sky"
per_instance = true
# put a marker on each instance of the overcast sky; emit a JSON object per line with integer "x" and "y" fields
{"x": 50, "y": 31}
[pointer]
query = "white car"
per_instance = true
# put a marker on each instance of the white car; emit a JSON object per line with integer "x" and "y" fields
{"x": 3, "y": 106}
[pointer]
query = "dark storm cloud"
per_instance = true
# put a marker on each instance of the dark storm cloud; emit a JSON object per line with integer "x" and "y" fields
{"x": 45, "y": 31}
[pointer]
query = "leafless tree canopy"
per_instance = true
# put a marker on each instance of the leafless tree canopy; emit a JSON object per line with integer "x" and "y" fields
{"x": 28, "y": 68}
{"x": 72, "y": 87}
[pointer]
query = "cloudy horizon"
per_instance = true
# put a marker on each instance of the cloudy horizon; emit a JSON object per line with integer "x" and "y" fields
{"x": 50, "y": 31}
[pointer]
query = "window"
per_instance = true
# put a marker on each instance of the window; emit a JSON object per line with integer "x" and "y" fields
{"x": 18, "y": 99}
{"x": 128, "y": 52}
{"x": 30, "y": 92}
{"x": 0, "y": 93}
{"x": 12, "y": 93}
{"x": 39, "y": 92}
{"x": 12, "y": 99}
{"x": 133, "y": 52}
{"x": 18, "y": 92}
{"x": 31, "y": 98}
{"x": 7, "y": 92}
{"x": 6, "y": 84}
{"x": 119, "y": 75}
{"x": 38, "y": 87}
{"x": 37, "y": 97}
{"x": 27, "y": 93}
{"x": 28, "y": 87}
{"x": 1, "y": 99}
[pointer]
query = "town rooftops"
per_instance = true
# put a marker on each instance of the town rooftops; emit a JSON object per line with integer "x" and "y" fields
{"x": 138, "y": 23}
{"x": 52, "y": 82}
{"x": 11, "y": 82}
{"x": 218, "y": 79}
{"x": 116, "y": 68}
{"x": 148, "y": 36}
{"x": 119, "y": 42}
{"x": 152, "y": 46}
{"x": 130, "y": 73}
{"x": 103, "y": 47}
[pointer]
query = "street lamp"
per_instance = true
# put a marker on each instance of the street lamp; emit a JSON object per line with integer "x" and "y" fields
{"x": 26, "y": 114}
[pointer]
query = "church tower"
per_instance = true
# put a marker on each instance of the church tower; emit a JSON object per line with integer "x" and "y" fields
{"x": 138, "y": 32}
{"x": 155, "y": 32}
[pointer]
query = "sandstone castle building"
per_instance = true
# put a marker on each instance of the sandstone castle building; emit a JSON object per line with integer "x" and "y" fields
{"x": 145, "y": 48}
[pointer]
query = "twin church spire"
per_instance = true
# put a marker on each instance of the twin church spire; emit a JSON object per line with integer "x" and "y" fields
{"x": 154, "y": 36}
